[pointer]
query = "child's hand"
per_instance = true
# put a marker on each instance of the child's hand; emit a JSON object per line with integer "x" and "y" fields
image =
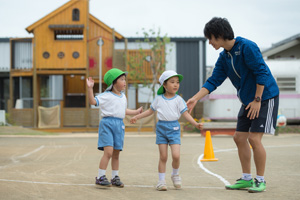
{"x": 133, "y": 120}
{"x": 199, "y": 126}
{"x": 90, "y": 82}
{"x": 140, "y": 110}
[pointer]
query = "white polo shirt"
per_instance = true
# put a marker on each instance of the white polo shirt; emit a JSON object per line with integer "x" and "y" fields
{"x": 168, "y": 109}
{"x": 111, "y": 104}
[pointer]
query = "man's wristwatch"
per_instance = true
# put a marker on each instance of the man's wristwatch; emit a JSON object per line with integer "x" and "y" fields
{"x": 257, "y": 99}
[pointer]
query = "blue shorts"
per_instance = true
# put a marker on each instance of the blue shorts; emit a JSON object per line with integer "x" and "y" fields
{"x": 266, "y": 121}
{"x": 168, "y": 132}
{"x": 111, "y": 133}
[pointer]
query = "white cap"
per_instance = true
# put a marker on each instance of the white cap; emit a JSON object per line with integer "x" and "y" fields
{"x": 165, "y": 76}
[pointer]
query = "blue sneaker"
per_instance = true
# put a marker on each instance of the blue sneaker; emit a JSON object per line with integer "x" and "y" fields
{"x": 117, "y": 182}
{"x": 102, "y": 182}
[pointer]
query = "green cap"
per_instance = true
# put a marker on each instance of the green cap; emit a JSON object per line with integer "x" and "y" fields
{"x": 111, "y": 75}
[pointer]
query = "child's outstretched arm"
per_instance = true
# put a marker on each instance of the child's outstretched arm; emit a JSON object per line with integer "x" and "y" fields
{"x": 142, "y": 115}
{"x": 190, "y": 119}
{"x": 90, "y": 85}
{"x": 134, "y": 112}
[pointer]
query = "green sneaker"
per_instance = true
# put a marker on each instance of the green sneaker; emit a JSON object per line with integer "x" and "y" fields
{"x": 240, "y": 184}
{"x": 258, "y": 187}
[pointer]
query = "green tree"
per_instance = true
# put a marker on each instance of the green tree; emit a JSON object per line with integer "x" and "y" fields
{"x": 156, "y": 58}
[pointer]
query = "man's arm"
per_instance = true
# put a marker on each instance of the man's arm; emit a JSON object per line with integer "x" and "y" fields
{"x": 193, "y": 101}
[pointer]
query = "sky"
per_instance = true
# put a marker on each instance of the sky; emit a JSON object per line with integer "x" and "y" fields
{"x": 263, "y": 21}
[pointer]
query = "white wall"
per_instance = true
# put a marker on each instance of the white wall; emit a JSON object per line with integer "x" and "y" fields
{"x": 289, "y": 101}
{"x": 222, "y": 104}
{"x": 171, "y": 56}
{"x": 4, "y": 57}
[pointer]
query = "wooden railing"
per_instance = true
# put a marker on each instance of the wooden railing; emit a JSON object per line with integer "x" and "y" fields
{"x": 139, "y": 63}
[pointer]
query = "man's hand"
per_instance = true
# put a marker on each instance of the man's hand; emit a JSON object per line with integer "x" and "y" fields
{"x": 254, "y": 107}
{"x": 191, "y": 104}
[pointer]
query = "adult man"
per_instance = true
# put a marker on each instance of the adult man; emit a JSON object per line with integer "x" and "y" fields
{"x": 241, "y": 61}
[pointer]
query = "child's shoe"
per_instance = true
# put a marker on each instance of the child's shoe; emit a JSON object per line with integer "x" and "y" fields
{"x": 176, "y": 181}
{"x": 258, "y": 186}
{"x": 102, "y": 182}
{"x": 161, "y": 186}
{"x": 117, "y": 182}
{"x": 240, "y": 184}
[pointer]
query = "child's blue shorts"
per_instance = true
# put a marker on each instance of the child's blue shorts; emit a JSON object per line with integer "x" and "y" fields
{"x": 111, "y": 133}
{"x": 168, "y": 132}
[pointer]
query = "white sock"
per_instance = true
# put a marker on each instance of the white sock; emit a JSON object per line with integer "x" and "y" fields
{"x": 161, "y": 176}
{"x": 101, "y": 172}
{"x": 247, "y": 177}
{"x": 175, "y": 171}
{"x": 260, "y": 178}
{"x": 114, "y": 173}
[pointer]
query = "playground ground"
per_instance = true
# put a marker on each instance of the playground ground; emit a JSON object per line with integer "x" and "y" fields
{"x": 64, "y": 166}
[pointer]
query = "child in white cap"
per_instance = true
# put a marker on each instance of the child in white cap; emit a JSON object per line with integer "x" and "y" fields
{"x": 169, "y": 107}
{"x": 113, "y": 105}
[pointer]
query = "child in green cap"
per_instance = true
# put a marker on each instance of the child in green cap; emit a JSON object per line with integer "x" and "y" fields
{"x": 113, "y": 105}
{"x": 169, "y": 107}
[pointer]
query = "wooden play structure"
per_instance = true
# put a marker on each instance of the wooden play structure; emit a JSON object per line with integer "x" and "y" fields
{"x": 68, "y": 46}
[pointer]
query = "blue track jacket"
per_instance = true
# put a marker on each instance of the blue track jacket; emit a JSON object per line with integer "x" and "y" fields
{"x": 245, "y": 67}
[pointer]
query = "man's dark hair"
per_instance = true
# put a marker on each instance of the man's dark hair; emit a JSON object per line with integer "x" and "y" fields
{"x": 218, "y": 27}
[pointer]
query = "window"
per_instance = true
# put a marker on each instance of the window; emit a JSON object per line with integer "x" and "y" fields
{"x": 23, "y": 93}
{"x": 22, "y": 54}
{"x": 75, "y": 54}
{"x": 286, "y": 83}
{"x": 61, "y": 55}
{"x": 4, "y": 92}
{"x": 46, "y": 54}
{"x": 51, "y": 90}
{"x": 68, "y": 34}
{"x": 75, "y": 14}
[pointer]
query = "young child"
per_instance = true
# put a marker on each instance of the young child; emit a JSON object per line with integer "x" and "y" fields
{"x": 113, "y": 105}
{"x": 169, "y": 107}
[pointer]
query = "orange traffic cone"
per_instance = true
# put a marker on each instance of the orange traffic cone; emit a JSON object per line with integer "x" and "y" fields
{"x": 208, "y": 149}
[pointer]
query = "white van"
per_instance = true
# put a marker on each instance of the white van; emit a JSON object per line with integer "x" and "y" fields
{"x": 223, "y": 104}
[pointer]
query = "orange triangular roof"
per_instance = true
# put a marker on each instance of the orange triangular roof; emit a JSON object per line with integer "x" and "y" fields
{"x": 50, "y": 15}
{"x": 31, "y": 28}
{"x": 107, "y": 28}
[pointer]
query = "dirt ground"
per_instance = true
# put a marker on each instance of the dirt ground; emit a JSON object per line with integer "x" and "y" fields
{"x": 18, "y": 130}
{"x": 64, "y": 166}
